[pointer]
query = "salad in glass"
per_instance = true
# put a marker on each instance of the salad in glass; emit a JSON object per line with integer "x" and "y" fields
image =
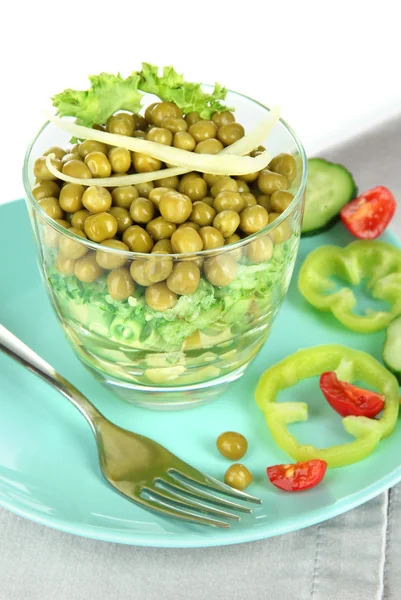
{"x": 166, "y": 231}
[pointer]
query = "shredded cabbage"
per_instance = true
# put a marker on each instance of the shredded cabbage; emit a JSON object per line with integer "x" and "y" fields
{"x": 206, "y": 163}
{"x": 243, "y": 146}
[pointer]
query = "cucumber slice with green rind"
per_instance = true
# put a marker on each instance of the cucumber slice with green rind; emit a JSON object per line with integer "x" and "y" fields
{"x": 323, "y": 229}
{"x": 392, "y": 348}
{"x": 330, "y": 186}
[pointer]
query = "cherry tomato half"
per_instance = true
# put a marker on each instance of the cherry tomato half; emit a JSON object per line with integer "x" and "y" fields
{"x": 367, "y": 216}
{"x": 348, "y": 399}
{"x": 299, "y": 476}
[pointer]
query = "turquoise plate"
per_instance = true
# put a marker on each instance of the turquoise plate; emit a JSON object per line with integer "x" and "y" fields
{"x": 48, "y": 461}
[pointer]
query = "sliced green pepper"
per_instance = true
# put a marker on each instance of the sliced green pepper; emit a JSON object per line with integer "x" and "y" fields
{"x": 377, "y": 262}
{"x": 349, "y": 365}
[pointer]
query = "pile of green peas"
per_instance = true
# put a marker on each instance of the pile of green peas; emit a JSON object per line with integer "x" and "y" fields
{"x": 172, "y": 215}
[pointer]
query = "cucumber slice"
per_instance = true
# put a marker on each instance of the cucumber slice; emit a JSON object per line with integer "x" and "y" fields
{"x": 392, "y": 348}
{"x": 330, "y": 187}
{"x": 125, "y": 330}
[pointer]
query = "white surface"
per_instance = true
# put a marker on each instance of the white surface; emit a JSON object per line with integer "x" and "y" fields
{"x": 333, "y": 67}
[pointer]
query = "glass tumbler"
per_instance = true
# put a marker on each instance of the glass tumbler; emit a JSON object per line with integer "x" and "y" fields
{"x": 183, "y": 349}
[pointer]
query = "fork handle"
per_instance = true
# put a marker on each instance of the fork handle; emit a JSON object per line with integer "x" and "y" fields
{"x": 17, "y": 350}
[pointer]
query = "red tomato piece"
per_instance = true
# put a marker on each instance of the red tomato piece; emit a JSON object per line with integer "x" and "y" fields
{"x": 367, "y": 216}
{"x": 299, "y": 476}
{"x": 348, "y": 399}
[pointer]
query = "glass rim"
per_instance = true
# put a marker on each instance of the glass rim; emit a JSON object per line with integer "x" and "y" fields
{"x": 129, "y": 254}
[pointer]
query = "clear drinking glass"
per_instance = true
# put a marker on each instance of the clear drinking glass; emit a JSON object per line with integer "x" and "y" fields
{"x": 189, "y": 353}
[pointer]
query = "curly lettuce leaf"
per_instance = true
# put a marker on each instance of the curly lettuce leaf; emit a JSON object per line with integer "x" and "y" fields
{"x": 171, "y": 87}
{"x": 107, "y": 95}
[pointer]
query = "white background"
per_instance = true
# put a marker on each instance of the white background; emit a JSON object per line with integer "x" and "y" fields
{"x": 334, "y": 67}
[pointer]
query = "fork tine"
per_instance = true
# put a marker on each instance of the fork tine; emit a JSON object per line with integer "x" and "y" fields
{"x": 198, "y": 478}
{"x": 187, "y": 505}
{"x": 195, "y": 492}
{"x": 227, "y": 489}
{"x": 167, "y": 509}
{"x": 181, "y": 495}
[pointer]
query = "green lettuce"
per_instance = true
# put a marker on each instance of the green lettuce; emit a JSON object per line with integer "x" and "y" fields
{"x": 209, "y": 307}
{"x": 171, "y": 87}
{"x": 107, "y": 95}
{"x": 110, "y": 93}
{"x": 257, "y": 278}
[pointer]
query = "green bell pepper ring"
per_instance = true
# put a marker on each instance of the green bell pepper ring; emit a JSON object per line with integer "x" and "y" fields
{"x": 350, "y": 365}
{"x": 378, "y": 262}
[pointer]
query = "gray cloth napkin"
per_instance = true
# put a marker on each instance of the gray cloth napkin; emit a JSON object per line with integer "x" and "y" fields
{"x": 356, "y": 556}
{"x": 353, "y": 557}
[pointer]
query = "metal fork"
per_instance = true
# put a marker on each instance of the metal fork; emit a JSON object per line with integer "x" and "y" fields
{"x": 139, "y": 468}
